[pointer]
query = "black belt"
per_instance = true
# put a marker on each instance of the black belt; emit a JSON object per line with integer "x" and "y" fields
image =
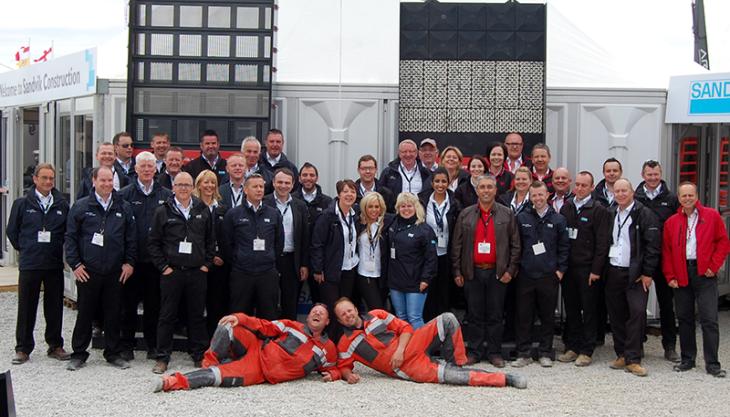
{"x": 620, "y": 268}
{"x": 691, "y": 262}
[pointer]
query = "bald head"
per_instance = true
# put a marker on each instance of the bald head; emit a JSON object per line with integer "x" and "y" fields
{"x": 623, "y": 192}
{"x": 561, "y": 180}
{"x": 407, "y": 152}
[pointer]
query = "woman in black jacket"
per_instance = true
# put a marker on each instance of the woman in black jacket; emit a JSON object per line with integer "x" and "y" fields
{"x": 333, "y": 253}
{"x": 519, "y": 198}
{"x": 497, "y": 153}
{"x": 216, "y": 302}
{"x": 466, "y": 193}
{"x": 370, "y": 283}
{"x": 451, "y": 158}
{"x": 412, "y": 259}
{"x": 441, "y": 210}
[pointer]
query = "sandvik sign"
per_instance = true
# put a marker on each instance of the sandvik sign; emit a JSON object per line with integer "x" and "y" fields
{"x": 68, "y": 76}
{"x": 703, "y": 98}
{"x": 709, "y": 97}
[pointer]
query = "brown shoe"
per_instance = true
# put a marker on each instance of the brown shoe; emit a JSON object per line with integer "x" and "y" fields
{"x": 59, "y": 354}
{"x": 568, "y": 356}
{"x": 583, "y": 360}
{"x": 636, "y": 369}
{"x": 619, "y": 363}
{"x": 471, "y": 360}
{"x": 497, "y": 361}
{"x": 20, "y": 358}
{"x": 160, "y": 367}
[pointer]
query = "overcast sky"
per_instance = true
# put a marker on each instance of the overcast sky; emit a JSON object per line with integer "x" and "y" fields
{"x": 648, "y": 40}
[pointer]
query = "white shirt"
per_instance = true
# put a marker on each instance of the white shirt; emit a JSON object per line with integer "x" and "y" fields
{"x": 622, "y": 241}
{"x": 146, "y": 190}
{"x": 365, "y": 191}
{"x": 349, "y": 259}
{"x": 253, "y": 170}
{"x": 185, "y": 211}
{"x": 252, "y": 207}
{"x": 557, "y": 202}
{"x": 309, "y": 197}
{"x": 236, "y": 195}
{"x": 516, "y": 207}
{"x": 608, "y": 194}
{"x": 454, "y": 184}
{"x": 652, "y": 194}
{"x": 411, "y": 180}
{"x": 272, "y": 161}
{"x": 543, "y": 213}
{"x": 125, "y": 165}
{"x": 45, "y": 201}
{"x": 117, "y": 183}
{"x": 104, "y": 204}
{"x": 580, "y": 203}
{"x": 442, "y": 208}
{"x": 158, "y": 164}
{"x": 513, "y": 164}
{"x": 691, "y": 249}
{"x": 213, "y": 162}
{"x": 288, "y": 223}
{"x": 369, "y": 255}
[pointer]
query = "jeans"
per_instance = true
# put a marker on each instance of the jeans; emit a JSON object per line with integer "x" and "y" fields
{"x": 409, "y": 306}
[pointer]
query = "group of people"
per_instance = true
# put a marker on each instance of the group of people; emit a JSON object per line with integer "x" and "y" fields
{"x": 201, "y": 241}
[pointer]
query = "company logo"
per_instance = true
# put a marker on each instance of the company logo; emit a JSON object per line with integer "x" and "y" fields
{"x": 91, "y": 62}
{"x": 709, "y": 97}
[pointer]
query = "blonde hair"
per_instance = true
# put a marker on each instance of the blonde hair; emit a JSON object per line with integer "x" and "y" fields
{"x": 364, "y": 203}
{"x": 451, "y": 148}
{"x": 207, "y": 174}
{"x": 410, "y": 198}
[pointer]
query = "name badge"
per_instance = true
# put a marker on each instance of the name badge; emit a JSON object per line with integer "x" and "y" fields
{"x": 259, "y": 244}
{"x": 442, "y": 242}
{"x": 614, "y": 252}
{"x": 538, "y": 248}
{"x": 573, "y": 233}
{"x": 44, "y": 236}
{"x": 97, "y": 239}
{"x": 484, "y": 247}
{"x": 392, "y": 253}
{"x": 185, "y": 247}
{"x": 368, "y": 265}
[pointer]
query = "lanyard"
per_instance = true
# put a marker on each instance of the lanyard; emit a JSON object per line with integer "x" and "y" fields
{"x": 621, "y": 224}
{"x": 44, "y": 209}
{"x": 692, "y": 227}
{"x": 486, "y": 224}
{"x": 406, "y": 176}
{"x": 286, "y": 209}
{"x": 236, "y": 198}
{"x": 364, "y": 192}
{"x": 106, "y": 214}
{"x": 439, "y": 216}
{"x": 348, "y": 220}
{"x": 372, "y": 238}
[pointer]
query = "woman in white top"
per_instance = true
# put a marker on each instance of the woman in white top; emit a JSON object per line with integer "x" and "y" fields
{"x": 370, "y": 282}
{"x": 451, "y": 160}
{"x": 519, "y": 198}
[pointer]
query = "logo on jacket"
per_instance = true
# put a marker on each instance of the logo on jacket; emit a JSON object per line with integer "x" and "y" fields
{"x": 118, "y": 214}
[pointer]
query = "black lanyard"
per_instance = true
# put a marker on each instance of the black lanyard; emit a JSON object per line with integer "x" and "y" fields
{"x": 621, "y": 224}
{"x": 286, "y": 209}
{"x": 372, "y": 238}
{"x": 106, "y": 214}
{"x": 236, "y": 199}
{"x": 439, "y": 216}
{"x": 44, "y": 211}
{"x": 349, "y": 221}
{"x": 406, "y": 176}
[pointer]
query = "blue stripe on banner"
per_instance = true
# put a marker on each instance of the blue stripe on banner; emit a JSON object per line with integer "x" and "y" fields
{"x": 710, "y": 106}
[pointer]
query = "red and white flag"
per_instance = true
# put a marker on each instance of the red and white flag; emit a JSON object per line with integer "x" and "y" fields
{"x": 22, "y": 57}
{"x": 45, "y": 56}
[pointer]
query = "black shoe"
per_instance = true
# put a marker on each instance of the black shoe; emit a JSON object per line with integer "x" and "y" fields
{"x": 671, "y": 355}
{"x": 119, "y": 363}
{"x": 127, "y": 355}
{"x": 683, "y": 366}
{"x": 717, "y": 372}
{"x": 20, "y": 358}
{"x": 75, "y": 364}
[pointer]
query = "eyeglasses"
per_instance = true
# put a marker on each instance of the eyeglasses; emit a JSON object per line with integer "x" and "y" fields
{"x": 183, "y": 185}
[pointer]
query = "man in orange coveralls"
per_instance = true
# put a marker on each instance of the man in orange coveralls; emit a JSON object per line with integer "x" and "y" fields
{"x": 389, "y": 345}
{"x": 247, "y": 351}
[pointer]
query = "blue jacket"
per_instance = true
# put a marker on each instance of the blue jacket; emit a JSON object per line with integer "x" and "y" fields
{"x": 328, "y": 243}
{"x": 415, "y": 254}
{"x": 143, "y": 207}
{"x": 392, "y": 179}
{"x": 26, "y": 220}
{"x": 87, "y": 217}
{"x": 552, "y": 231}
{"x": 241, "y": 226}
{"x": 87, "y": 184}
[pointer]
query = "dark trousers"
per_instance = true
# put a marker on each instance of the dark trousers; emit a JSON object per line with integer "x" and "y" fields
{"x": 290, "y": 285}
{"x": 104, "y": 290}
{"x": 29, "y": 290}
{"x": 331, "y": 291}
{"x": 189, "y": 285}
{"x": 143, "y": 285}
{"x": 533, "y": 294}
{"x": 369, "y": 289}
{"x": 626, "y": 306}
{"x": 703, "y": 291}
{"x": 216, "y": 298}
{"x": 255, "y": 294}
{"x": 581, "y": 302}
{"x": 665, "y": 297}
{"x": 485, "y": 308}
{"x": 437, "y": 300}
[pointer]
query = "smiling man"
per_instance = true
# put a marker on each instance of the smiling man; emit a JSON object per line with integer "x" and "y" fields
{"x": 247, "y": 351}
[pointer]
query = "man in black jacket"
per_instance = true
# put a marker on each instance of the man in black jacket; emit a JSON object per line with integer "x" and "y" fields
{"x": 588, "y": 230}
{"x": 405, "y": 173}
{"x": 209, "y": 158}
{"x": 654, "y": 194}
{"x": 273, "y": 158}
{"x": 545, "y": 250}
{"x": 253, "y": 242}
{"x": 182, "y": 246}
{"x": 124, "y": 152}
{"x": 293, "y": 264}
{"x": 173, "y": 166}
{"x": 232, "y": 191}
{"x": 603, "y": 193}
{"x": 105, "y": 158}
{"x": 160, "y": 144}
{"x": 633, "y": 258}
{"x": 36, "y": 226}
{"x": 101, "y": 248}
{"x": 367, "y": 167}
{"x": 251, "y": 150}
{"x": 317, "y": 202}
{"x": 144, "y": 195}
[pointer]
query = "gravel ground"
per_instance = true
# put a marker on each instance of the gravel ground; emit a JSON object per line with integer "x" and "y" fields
{"x": 44, "y": 388}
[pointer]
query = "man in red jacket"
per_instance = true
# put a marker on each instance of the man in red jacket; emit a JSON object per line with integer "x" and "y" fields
{"x": 694, "y": 248}
{"x": 389, "y": 345}
{"x": 248, "y": 351}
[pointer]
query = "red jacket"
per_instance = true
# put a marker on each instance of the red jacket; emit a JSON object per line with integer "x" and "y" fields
{"x": 291, "y": 352}
{"x": 712, "y": 244}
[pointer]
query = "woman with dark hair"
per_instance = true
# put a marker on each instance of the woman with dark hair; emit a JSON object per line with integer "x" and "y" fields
{"x": 497, "y": 154}
{"x": 441, "y": 210}
{"x": 216, "y": 301}
{"x": 519, "y": 198}
{"x": 451, "y": 158}
{"x": 333, "y": 253}
{"x": 466, "y": 193}
{"x": 371, "y": 283}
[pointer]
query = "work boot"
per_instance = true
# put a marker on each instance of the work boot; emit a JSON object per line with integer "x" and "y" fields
{"x": 583, "y": 360}
{"x": 683, "y": 366}
{"x": 619, "y": 363}
{"x": 521, "y": 362}
{"x": 717, "y": 372}
{"x": 636, "y": 369}
{"x": 59, "y": 353}
{"x": 568, "y": 356}
{"x": 516, "y": 381}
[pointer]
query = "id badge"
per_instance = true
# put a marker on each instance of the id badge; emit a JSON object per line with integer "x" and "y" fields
{"x": 186, "y": 248}
{"x": 44, "y": 236}
{"x": 572, "y": 233}
{"x": 392, "y": 253}
{"x": 442, "y": 242}
{"x": 484, "y": 247}
{"x": 98, "y": 239}
{"x": 614, "y": 252}
{"x": 368, "y": 265}
{"x": 259, "y": 244}
{"x": 538, "y": 248}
